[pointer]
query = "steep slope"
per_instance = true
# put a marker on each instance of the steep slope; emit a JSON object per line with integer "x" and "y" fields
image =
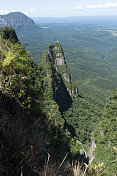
{"x": 16, "y": 20}
{"x": 27, "y": 127}
{"x": 58, "y": 60}
{"x": 105, "y": 136}
{"x": 57, "y": 78}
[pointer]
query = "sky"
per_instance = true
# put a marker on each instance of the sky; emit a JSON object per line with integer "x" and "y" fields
{"x": 60, "y": 8}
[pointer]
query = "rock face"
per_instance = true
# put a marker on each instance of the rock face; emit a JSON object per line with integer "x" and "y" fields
{"x": 53, "y": 84}
{"x": 56, "y": 77}
{"x": 16, "y": 20}
{"x": 56, "y": 55}
{"x": 90, "y": 153}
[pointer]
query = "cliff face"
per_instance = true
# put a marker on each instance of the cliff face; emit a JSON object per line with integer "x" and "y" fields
{"x": 56, "y": 77}
{"x": 53, "y": 84}
{"x": 56, "y": 55}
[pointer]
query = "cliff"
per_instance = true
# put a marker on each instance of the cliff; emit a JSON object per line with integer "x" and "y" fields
{"x": 57, "y": 57}
{"x": 56, "y": 77}
{"x": 53, "y": 84}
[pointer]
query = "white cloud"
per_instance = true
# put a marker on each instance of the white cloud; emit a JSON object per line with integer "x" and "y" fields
{"x": 27, "y": 12}
{"x": 78, "y": 8}
{"x": 100, "y": 6}
{"x": 31, "y": 10}
{"x": 97, "y": 6}
{"x": 94, "y": 6}
{"x": 3, "y": 12}
{"x": 110, "y": 5}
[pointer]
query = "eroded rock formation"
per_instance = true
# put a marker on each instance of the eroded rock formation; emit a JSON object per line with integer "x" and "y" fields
{"x": 57, "y": 57}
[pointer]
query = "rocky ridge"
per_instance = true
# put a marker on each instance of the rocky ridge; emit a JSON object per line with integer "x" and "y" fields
{"x": 57, "y": 57}
{"x": 56, "y": 77}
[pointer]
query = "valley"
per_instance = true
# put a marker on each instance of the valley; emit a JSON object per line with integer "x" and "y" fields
{"x": 91, "y": 58}
{"x": 64, "y": 82}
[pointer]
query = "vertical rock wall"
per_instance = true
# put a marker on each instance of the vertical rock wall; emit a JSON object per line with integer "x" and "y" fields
{"x": 56, "y": 55}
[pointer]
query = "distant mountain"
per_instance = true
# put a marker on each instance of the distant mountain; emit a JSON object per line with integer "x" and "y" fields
{"x": 107, "y": 21}
{"x": 16, "y": 20}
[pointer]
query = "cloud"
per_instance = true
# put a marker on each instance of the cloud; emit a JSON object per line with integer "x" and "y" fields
{"x": 3, "y": 12}
{"x": 110, "y": 5}
{"x": 27, "y": 12}
{"x": 101, "y": 6}
{"x": 94, "y": 6}
{"x": 97, "y": 6}
{"x": 31, "y": 11}
{"x": 78, "y": 8}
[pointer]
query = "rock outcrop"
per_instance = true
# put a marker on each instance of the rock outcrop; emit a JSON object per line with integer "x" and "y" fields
{"x": 56, "y": 77}
{"x": 53, "y": 84}
{"x": 57, "y": 57}
{"x": 90, "y": 153}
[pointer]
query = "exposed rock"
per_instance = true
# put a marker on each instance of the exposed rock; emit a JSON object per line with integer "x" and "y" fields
{"x": 67, "y": 77}
{"x": 56, "y": 55}
{"x": 54, "y": 84}
{"x": 92, "y": 148}
{"x": 101, "y": 132}
{"x": 109, "y": 143}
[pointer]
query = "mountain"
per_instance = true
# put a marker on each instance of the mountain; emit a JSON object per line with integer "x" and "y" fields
{"x": 100, "y": 21}
{"x": 17, "y": 20}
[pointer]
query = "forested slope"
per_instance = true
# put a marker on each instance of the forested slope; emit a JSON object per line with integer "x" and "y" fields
{"x": 105, "y": 135}
{"x": 29, "y": 131}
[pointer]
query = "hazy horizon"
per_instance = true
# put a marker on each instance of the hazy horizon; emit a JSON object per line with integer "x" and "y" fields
{"x": 82, "y": 16}
{"x": 61, "y": 8}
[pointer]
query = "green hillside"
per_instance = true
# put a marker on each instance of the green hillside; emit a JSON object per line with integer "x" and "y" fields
{"x": 31, "y": 124}
{"x": 105, "y": 136}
